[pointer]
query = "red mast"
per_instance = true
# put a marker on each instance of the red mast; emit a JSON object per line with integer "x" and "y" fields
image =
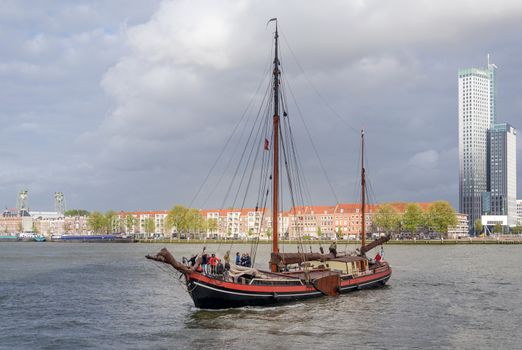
{"x": 363, "y": 188}
{"x": 275, "y": 146}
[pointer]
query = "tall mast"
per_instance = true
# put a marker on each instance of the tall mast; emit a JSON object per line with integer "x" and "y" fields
{"x": 363, "y": 192}
{"x": 275, "y": 147}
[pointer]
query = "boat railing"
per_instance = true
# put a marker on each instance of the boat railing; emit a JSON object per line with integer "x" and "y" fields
{"x": 380, "y": 268}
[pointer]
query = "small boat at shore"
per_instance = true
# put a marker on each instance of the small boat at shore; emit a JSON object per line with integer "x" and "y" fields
{"x": 9, "y": 238}
{"x": 291, "y": 276}
{"x": 31, "y": 237}
{"x": 39, "y": 238}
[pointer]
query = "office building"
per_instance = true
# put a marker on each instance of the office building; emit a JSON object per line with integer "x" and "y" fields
{"x": 476, "y": 89}
{"x": 502, "y": 171}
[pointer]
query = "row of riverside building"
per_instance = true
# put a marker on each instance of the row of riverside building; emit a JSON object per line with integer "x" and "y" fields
{"x": 341, "y": 221}
{"x": 327, "y": 222}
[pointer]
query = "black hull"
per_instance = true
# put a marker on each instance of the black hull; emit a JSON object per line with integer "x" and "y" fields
{"x": 208, "y": 296}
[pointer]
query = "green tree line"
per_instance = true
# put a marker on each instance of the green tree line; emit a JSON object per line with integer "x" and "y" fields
{"x": 438, "y": 217}
{"x": 185, "y": 221}
{"x": 181, "y": 220}
{"x": 104, "y": 223}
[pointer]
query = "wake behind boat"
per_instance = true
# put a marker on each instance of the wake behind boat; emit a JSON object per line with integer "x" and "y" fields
{"x": 291, "y": 276}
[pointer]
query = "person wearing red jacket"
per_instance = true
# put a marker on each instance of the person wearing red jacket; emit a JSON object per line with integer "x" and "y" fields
{"x": 213, "y": 263}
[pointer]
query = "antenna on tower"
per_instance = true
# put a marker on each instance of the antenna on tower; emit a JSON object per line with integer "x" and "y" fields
{"x": 59, "y": 202}
{"x": 491, "y": 65}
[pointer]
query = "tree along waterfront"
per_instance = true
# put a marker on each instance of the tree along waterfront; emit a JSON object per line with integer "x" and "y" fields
{"x": 438, "y": 218}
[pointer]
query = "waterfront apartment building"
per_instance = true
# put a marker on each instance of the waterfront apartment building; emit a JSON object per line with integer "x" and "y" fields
{"x": 45, "y": 223}
{"x": 502, "y": 172}
{"x": 461, "y": 230}
{"x": 51, "y": 223}
{"x": 341, "y": 221}
{"x": 476, "y": 114}
{"x": 312, "y": 222}
{"x": 239, "y": 223}
{"x": 329, "y": 222}
{"x": 15, "y": 220}
{"x": 135, "y": 223}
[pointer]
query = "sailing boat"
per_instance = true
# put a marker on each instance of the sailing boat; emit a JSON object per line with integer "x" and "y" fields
{"x": 292, "y": 276}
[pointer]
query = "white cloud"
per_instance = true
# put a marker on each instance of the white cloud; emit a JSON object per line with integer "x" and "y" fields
{"x": 186, "y": 33}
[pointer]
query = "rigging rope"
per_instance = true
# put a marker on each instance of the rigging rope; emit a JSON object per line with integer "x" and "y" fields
{"x": 321, "y": 97}
{"x": 300, "y": 114}
{"x": 243, "y": 115}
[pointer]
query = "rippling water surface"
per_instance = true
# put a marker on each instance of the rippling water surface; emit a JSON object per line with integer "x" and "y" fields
{"x": 107, "y": 296}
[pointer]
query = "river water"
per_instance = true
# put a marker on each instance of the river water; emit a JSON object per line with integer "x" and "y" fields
{"x": 107, "y": 296}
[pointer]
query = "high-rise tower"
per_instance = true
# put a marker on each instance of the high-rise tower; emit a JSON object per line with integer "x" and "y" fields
{"x": 502, "y": 171}
{"x": 476, "y": 115}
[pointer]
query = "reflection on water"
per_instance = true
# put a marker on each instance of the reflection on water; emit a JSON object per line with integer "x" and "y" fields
{"x": 108, "y": 296}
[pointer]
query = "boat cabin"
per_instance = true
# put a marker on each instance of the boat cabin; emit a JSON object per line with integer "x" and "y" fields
{"x": 351, "y": 265}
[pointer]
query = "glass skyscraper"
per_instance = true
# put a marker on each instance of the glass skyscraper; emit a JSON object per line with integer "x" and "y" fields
{"x": 476, "y": 115}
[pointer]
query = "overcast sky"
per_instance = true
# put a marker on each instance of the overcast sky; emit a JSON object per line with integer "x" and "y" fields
{"x": 125, "y": 105}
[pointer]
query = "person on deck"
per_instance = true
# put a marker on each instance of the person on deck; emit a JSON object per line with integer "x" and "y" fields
{"x": 333, "y": 249}
{"x": 378, "y": 258}
{"x": 238, "y": 259}
{"x": 226, "y": 270}
{"x": 226, "y": 258}
{"x": 204, "y": 262}
{"x": 192, "y": 260}
{"x": 213, "y": 263}
{"x": 248, "y": 261}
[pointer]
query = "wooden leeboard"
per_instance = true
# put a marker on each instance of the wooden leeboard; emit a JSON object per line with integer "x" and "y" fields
{"x": 328, "y": 285}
